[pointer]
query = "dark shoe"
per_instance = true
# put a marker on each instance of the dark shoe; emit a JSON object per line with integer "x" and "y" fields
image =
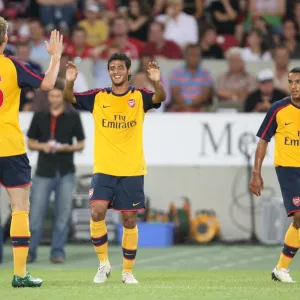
{"x": 26, "y": 281}
{"x": 57, "y": 260}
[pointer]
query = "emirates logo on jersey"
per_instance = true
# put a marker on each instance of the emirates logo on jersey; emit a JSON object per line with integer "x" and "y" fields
{"x": 296, "y": 201}
{"x": 131, "y": 103}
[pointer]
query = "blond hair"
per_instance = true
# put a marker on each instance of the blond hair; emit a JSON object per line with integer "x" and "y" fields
{"x": 3, "y": 29}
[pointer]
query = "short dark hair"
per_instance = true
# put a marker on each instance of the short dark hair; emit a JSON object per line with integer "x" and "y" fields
{"x": 295, "y": 70}
{"x": 123, "y": 57}
{"x": 120, "y": 56}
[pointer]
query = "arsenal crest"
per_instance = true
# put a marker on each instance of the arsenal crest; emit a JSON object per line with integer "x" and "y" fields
{"x": 91, "y": 192}
{"x": 131, "y": 103}
{"x": 296, "y": 201}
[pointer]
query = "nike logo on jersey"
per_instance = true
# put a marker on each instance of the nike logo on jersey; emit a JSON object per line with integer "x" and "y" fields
{"x": 105, "y": 106}
{"x": 135, "y": 204}
{"x": 288, "y": 123}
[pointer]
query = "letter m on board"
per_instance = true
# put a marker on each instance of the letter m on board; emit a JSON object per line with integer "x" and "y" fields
{"x": 223, "y": 138}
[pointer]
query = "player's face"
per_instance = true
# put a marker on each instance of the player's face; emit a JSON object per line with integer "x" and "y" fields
{"x": 55, "y": 98}
{"x": 294, "y": 84}
{"x": 118, "y": 72}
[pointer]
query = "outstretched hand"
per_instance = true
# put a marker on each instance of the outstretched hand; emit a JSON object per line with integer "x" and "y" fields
{"x": 55, "y": 45}
{"x": 153, "y": 71}
{"x": 71, "y": 72}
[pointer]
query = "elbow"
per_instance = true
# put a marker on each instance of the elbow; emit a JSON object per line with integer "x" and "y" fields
{"x": 47, "y": 86}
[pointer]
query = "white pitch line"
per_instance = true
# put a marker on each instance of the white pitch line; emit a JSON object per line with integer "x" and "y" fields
{"x": 159, "y": 257}
{"x": 241, "y": 262}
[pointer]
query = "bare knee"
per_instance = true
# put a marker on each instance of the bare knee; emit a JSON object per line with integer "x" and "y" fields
{"x": 98, "y": 211}
{"x": 296, "y": 220}
{"x": 19, "y": 198}
{"x": 129, "y": 219}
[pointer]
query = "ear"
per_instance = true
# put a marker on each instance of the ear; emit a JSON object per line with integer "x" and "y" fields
{"x": 6, "y": 38}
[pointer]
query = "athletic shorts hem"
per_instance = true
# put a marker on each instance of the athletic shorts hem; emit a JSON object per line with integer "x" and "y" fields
{"x": 16, "y": 186}
{"x": 290, "y": 214}
{"x": 128, "y": 210}
{"x": 98, "y": 200}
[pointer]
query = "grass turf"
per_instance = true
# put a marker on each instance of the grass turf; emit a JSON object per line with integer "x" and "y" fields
{"x": 229, "y": 284}
{"x": 175, "y": 273}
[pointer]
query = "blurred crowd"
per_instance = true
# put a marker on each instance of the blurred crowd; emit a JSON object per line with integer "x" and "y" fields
{"x": 237, "y": 31}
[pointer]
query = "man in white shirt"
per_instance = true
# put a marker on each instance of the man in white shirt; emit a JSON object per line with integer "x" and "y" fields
{"x": 179, "y": 26}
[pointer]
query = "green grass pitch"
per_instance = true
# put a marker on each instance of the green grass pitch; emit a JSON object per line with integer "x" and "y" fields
{"x": 196, "y": 272}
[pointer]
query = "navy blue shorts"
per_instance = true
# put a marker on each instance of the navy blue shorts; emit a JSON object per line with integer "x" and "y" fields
{"x": 15, "y": 171}
{"x": 122, "y": 193}
{"x": 289, "y": 181}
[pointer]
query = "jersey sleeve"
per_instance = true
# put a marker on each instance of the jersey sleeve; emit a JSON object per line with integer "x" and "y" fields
{"x": 78, "y": 128}
{"x": 269, "y": 124}
{"x": 86, "y": 100}
{"x": 27, "y": 76}
{"x": 147, "y": 100}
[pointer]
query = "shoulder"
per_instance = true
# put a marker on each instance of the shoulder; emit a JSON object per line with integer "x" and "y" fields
{"x": 89, "y": 92}
{"x": 204, "y": 70}
{"x": 178, "y": 70}
{"x": 280, "y": 104}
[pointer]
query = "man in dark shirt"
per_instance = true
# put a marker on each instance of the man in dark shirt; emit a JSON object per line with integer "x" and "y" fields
{"x": 261, "y": 99}
{"x": 51, "y": 133}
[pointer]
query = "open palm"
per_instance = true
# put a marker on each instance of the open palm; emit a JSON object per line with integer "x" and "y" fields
{"x": 153, "y": 71}
{"x": 55, "y": 45}
{"x": 71, "y": 72}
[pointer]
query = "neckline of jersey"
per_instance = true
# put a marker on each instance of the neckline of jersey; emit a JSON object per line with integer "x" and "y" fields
{"x": 121, "y": 95}
{"x": 295, "y": 105}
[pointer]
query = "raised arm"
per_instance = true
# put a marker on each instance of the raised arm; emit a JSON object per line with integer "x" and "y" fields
{"x": 71, "y": 75}
{"x": 54, "y": 48}
{"x": 154, "y": 75}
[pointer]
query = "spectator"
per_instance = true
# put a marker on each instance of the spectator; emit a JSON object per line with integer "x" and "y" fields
{"x": 139, "y": 19}
{"x": 57, "y": 14}
{"x": 289, "y": 38}
{"x": 38, "y": 50}
{"x": 158, "y": 46}
{"x": 97, "y": 30}
{"x": 208, "y": 44}
{"x": 143, "y": 66}
{"x": 262, "y": 98}
{"x": 256, "y": 49}
{"x": 79, "y": 48}
{"x": 180, "y": 27}
{"x": 51, "y": 133}
{"x": 191, "y": 84}
{"x": 224, "y": 15}
{"x": 234, "y": 85}
{"x": 272, "y": 11}
{"x": 23, "y": 54}
{"x": 281, "y": 59}
{"x": 296, "y": 17}
{"x": 130, "y": 46}
{"x": 259, "y": 23}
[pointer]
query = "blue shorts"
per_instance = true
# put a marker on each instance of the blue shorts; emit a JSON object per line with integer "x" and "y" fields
{"x": 15, "y": 171}
{"x": 122, "y": 193}
{"x": 289, "y": 181}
